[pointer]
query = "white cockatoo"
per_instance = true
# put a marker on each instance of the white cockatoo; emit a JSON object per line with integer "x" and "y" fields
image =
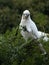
{"x": 29, "y": 29}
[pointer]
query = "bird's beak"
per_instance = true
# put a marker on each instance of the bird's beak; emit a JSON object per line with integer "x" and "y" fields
{"x": 26, "y": 15}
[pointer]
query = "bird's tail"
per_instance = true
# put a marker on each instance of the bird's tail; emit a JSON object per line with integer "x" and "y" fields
{"x": 47, "y": 34}
{"x": 44, "y": 35}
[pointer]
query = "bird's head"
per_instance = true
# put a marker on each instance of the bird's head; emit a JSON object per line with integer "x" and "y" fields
{"x": 26, "y": 14}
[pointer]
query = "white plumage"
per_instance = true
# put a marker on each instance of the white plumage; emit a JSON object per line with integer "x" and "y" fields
{"x": 31, "y": 28}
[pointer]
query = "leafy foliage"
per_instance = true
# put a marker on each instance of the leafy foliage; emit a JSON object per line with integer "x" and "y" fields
{"x": 13, "y": 48}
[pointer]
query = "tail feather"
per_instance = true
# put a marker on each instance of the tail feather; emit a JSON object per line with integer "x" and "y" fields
{"x": 44, "y": 35}
{"x": 47, "y": 34}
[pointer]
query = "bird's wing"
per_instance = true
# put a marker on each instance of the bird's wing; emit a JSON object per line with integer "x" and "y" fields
{"x": 34, "y": 29}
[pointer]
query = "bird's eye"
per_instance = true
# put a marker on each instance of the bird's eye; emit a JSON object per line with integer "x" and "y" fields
{"x": 26, "y": 14}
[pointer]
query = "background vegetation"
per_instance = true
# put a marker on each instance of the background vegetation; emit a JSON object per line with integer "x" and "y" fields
{"x": 11, "y": 40}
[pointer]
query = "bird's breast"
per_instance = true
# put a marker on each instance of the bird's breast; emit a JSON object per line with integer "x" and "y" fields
{"x": 26, "y": 34}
